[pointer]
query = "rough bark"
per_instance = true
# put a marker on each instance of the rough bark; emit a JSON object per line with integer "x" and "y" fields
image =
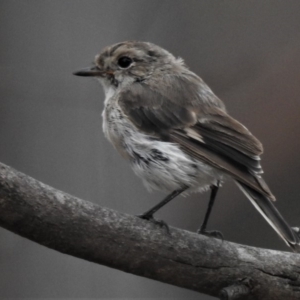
{"x": 85, "y": 230}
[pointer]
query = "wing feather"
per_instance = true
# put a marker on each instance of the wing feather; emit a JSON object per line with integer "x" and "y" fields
{"x": 203, "y": 129}
{"x": 201, "y": 152}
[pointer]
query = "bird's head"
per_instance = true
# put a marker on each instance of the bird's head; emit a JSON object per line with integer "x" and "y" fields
{"x": 130, "y": 61}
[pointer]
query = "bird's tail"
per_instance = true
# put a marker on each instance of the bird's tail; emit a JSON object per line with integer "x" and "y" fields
{"x": 266, "y": 207}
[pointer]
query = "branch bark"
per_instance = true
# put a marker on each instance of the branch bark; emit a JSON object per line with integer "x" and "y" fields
{"x": 85, "y": 230}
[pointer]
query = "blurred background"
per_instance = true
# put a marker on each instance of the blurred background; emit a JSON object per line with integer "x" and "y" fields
{"x": 50, "y": 122}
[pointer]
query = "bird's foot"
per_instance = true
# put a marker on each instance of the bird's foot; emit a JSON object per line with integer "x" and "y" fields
{"x": 160, "y": 223}
{"x": 212, "y": 233}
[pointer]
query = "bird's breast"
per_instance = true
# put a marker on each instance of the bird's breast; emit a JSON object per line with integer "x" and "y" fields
{"x": 161, "y": 165}
{"x": 115, "y": 128}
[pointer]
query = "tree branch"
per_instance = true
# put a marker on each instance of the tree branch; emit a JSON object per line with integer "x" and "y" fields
{"x": 85, "y": 230}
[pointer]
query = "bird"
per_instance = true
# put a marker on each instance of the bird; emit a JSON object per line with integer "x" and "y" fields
{"x": 176, "y": 133}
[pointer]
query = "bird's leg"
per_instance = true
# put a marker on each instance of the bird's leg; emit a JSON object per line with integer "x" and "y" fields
{"x": 202, "y": 230}
{"x": 148, "y": 215}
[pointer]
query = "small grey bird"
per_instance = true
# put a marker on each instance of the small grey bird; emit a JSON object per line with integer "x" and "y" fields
{"x": 175, "y": 131}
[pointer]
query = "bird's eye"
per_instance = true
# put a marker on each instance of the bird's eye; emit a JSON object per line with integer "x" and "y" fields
{"x": 124, "y": 62}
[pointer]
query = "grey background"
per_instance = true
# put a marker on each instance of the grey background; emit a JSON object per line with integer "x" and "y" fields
{"x": 50, "y": 125}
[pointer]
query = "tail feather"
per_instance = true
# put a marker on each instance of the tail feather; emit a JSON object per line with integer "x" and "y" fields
{"x": 266, "y": 207}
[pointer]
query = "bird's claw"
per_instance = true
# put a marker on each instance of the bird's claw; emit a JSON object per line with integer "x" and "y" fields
{"x": 212, "y": 233}
{"x": 160, "y": 223}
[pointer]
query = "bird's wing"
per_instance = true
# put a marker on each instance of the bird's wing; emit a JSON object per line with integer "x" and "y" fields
{"x": 154, "y": 110}
{"x": 204, "y": 131}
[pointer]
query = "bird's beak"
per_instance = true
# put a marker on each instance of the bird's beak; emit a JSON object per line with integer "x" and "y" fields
{"x": 92, "y": 72}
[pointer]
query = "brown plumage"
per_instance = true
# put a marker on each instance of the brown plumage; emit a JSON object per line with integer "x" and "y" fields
{"x": 156, "y": 105}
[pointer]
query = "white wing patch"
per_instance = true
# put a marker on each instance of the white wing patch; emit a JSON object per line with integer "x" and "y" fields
{"x": 194, "y": 135}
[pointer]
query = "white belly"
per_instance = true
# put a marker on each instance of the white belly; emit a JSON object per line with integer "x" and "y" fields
{"x": 161, "y": 165}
